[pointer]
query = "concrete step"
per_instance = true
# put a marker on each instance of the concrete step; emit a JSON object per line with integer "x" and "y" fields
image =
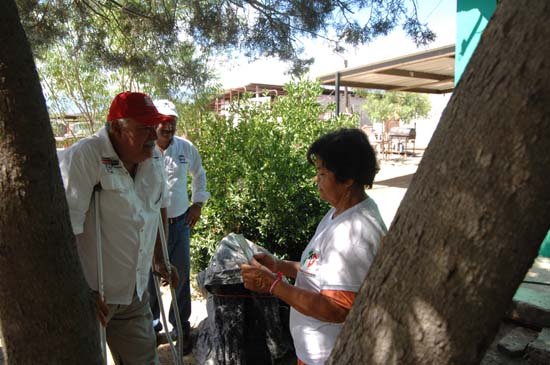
{"x": 531, "y": 303}
{"x": 538, "y": 350}
{"x": 514, "y": 344}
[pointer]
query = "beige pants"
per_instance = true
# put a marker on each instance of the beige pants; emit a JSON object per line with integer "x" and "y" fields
{"x": 130, "y": 333}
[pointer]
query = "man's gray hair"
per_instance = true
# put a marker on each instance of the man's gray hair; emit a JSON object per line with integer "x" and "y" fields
{"x": 122, "y": 121}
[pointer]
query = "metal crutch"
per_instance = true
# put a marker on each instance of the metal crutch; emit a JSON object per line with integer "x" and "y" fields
{"x": 100, "y": 288}
{"x": 177, "y": 354}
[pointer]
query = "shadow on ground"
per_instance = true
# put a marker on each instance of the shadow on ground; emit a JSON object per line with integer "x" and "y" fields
{"x": 397, "y": 182}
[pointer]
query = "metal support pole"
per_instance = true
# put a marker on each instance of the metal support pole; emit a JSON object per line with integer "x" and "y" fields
{"x": 346, "y": 95}
{"x": 337, "y": 93}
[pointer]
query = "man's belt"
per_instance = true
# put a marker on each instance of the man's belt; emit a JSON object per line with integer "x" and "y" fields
{"x": 176, "y": 219}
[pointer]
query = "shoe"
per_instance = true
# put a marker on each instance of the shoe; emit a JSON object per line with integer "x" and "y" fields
{"x": 187, "y": 345}
{"x": 173, "y": 335}
{"x": 161, "y": 338}
{"x": 157, "y": 325}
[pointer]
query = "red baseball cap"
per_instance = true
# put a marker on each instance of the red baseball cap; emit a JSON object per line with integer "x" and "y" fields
{"x": 137, "y": 106}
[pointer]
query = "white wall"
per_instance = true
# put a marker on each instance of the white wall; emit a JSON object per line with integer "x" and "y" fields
{"x": 426, "y": 127}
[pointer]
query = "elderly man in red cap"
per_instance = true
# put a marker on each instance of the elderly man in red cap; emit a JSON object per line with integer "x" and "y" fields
{"x": 123, "y": 160}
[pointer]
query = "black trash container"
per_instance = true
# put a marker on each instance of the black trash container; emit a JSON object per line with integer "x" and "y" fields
{"x": 242, "y": 327}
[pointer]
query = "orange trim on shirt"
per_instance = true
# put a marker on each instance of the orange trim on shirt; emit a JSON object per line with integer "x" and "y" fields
{"x": 300, "y": 362}
{"x": 343, "y": 298}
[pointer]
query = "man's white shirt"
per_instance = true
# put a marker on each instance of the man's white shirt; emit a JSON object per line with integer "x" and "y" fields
{"x": 129, "y": 213}
{"x": 181, "y": 157}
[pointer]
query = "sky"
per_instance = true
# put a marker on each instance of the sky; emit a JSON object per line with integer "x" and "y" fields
{"x": 439, "y": 14}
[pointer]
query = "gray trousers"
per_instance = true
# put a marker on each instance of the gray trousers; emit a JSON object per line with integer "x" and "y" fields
{"x": 130, "y": 333}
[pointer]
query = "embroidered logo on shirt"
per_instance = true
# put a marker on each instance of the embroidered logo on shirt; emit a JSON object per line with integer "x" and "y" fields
{"x": 109, "y": 164}
{"x": 310, "y": 259}
{"x": 308, "y": 265}
{"x": 182, "y": 159}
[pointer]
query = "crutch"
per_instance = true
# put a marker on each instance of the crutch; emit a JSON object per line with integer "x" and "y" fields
{"x": 102, "y": 332}
{"x": 177, "y": 353}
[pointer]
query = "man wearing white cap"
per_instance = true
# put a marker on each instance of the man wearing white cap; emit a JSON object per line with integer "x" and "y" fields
{"x": 180, "y": 158}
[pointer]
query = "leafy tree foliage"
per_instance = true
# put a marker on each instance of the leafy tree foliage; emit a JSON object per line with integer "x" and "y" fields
{"x": 387, "y": 106}
{"x": 93, "y": 50}
{"x": 256, "y": 27}
{"x": 70, "y": 83}
{"x": 261, "y": 183}
{"x": 274, "y": 28}
{"x": 88, "y": 49}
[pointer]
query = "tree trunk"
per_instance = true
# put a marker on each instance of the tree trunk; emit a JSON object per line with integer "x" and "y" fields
{"x": 475, "y": 214}
{"x": 46, "y": 312}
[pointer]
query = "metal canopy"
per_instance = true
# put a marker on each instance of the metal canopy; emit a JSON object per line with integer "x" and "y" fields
{"x": 430, "y": 71}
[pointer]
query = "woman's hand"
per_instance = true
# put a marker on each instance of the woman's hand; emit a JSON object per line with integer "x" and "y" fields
{"x": 268, "y": 261}
{"x": 257, "y": 277}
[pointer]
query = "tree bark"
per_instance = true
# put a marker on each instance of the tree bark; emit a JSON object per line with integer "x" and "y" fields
{"x": 47, "y": 315}
{"x": 472, "y": 220}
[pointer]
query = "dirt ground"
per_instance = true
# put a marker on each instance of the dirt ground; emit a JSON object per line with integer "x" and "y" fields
{"x": 166, "y": 357}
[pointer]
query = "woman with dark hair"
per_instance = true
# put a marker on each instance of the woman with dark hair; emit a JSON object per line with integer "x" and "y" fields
{"x": 336, "y": 260}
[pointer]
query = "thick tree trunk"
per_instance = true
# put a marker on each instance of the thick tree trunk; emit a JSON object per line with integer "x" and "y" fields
{"x": 475, "y": 214}
{"x": 46, "y": 312}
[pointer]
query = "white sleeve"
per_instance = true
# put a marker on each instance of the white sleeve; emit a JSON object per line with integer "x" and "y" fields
{"x": 349, "y": 255}
{"x": 198, "y": 175}
{"x": 80, "y": 170}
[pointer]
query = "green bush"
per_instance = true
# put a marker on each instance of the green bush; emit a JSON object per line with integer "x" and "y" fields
{"x": 261, "y": 183}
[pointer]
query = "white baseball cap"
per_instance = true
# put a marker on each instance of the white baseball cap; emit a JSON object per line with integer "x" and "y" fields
{"x": 166, "y": 107}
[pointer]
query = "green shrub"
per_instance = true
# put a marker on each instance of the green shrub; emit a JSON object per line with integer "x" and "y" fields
{"x": 261, "y": 183}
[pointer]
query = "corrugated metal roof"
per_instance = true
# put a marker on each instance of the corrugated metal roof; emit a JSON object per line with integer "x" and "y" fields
{"x": 430, "y": 71}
